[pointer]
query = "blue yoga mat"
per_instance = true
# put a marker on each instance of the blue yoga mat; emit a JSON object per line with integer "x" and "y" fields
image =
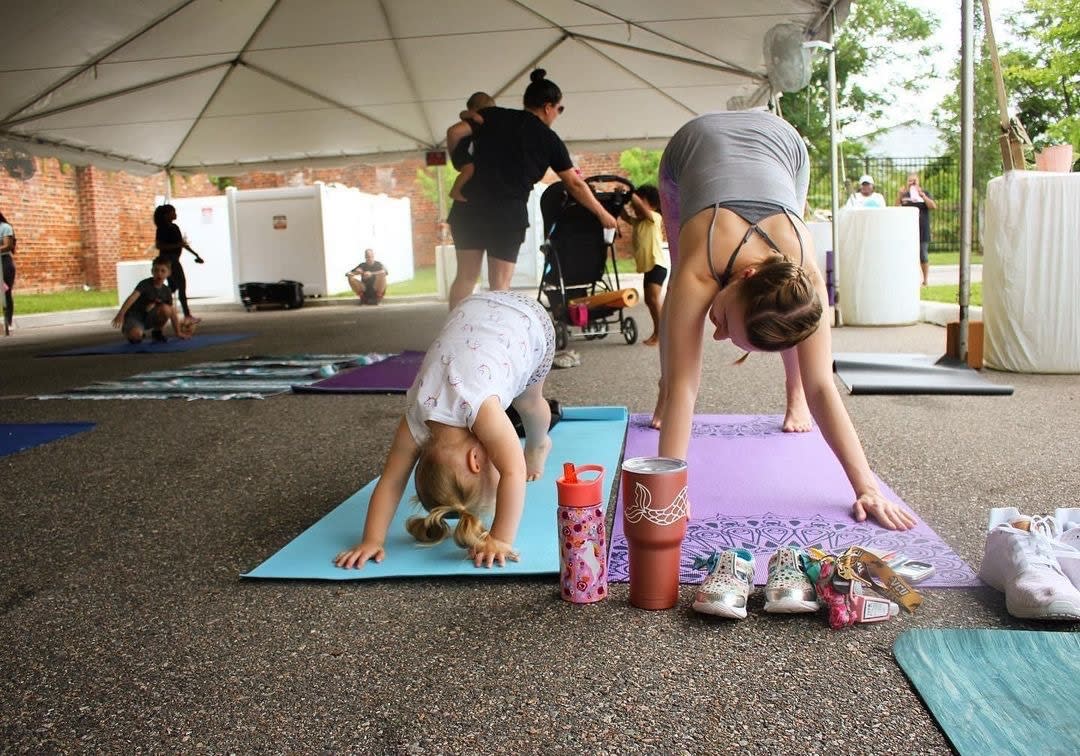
{"x": 586, "y": 435}
{"x": 149, "y": 346}
{"x": 998, "y": 691}
{"x": 14, "y": 437}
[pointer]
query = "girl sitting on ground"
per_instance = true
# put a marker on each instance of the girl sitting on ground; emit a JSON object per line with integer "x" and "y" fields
{"x": 495, "y": 350}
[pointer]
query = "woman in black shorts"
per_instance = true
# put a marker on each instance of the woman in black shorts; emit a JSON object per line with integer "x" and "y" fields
{"x": 512, "y": 151}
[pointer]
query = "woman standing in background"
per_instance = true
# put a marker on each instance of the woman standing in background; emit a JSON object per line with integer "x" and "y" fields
{"x": 171, "y": 244}
{"x": 7, "y": 261}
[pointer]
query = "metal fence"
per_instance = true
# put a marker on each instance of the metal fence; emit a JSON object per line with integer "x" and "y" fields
{"x": 940, "y": 177}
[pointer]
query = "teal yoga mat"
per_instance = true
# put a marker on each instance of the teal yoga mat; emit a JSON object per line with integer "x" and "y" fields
{"x": 586, "y": 435}
{"x": 998, "y": 691}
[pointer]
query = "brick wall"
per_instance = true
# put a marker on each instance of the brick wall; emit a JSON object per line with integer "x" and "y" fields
{"x": 74, "y": 224}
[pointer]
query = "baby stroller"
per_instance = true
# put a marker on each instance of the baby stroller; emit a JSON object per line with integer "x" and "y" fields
{"x": 580, "y": 290}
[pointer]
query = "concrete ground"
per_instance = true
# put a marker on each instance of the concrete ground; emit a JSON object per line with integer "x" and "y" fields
{"x": 125, "y": 626}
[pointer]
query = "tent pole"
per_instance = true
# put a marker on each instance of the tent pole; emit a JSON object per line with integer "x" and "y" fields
{"x": 442, "y": 203}
{"x": 168, "y": 186}
{"x": 967, "y": 128}
{"x": 834, "y": 156}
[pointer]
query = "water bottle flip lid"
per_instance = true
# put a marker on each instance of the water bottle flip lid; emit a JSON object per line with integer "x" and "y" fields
{"x": 578, "y": 491}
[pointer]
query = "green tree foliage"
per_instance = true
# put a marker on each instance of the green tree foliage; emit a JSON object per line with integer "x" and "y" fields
{"x": 865, "y": 40}
{"x": 1044, "y": 77}
{"x": 427, "y": 179}
{"x": 641, "y": 166}
{"x": 987, "y": 149}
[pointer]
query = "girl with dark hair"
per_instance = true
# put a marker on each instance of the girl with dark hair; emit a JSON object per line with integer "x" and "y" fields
{"x": 733, "y": 186}
{"x": 171, "y": 244}
{"x": 513, "y": 150}
{"x": 7, "y": 262}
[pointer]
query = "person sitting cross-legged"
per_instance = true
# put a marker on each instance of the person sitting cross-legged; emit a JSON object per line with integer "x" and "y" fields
{"x": 368, "y": 279}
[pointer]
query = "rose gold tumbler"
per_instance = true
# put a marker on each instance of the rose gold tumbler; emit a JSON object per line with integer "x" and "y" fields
{"x": 655, "y": 514}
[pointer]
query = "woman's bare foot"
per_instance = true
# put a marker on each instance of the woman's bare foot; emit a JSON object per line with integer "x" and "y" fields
{"x": 658, "y": 413}
{"x": 652, "y": 340}
{"x": 535, "y": 457}
{"x": 798, "y": 419}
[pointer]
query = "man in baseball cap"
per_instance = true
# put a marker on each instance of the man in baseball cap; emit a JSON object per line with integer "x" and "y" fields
{"x": 866, "y": 196}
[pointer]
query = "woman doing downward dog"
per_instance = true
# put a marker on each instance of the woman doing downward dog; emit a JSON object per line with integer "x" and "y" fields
{"x": 733, "y": 186}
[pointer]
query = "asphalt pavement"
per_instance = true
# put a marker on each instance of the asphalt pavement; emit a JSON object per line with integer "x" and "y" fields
{"x": 126, "y": 627}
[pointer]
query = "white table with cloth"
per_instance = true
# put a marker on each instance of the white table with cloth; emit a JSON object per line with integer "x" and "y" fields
{"x": 878, "y": 265}
{"x": 1031, "y": 272}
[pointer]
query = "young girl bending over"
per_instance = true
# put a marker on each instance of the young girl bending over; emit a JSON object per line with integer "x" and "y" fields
{"x": 494, "y": 350}
{"x": 733, "y": 186}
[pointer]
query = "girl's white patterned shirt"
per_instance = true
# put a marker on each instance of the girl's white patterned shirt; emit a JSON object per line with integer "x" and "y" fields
{"x": 494, "y": 343}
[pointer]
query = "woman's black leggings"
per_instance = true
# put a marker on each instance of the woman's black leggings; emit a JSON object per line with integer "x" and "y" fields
{"x": 9, "y": 284}
{"x": 178, "y": 285}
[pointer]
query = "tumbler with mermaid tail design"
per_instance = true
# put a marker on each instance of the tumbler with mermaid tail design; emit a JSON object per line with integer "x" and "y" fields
{"x": 655, "y": 516}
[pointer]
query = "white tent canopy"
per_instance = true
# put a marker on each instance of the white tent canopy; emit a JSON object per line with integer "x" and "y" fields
{"x": 226, "y": 86}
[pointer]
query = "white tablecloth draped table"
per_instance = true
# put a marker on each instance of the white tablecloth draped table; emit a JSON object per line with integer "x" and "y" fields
{"x": 878, "y": 265}
{"x": 1031, "y": 272}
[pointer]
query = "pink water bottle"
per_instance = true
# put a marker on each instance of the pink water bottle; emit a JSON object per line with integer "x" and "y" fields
{"x": 582, "y": 534}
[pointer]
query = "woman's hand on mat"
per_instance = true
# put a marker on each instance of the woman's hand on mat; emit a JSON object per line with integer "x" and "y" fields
{"x": 491, "y": 550}
{"x": 886, "y": 513}
{"x": 358, "y": 555}
{"x": 117, "y": 321}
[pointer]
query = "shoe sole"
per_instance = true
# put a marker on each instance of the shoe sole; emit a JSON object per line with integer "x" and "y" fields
{"x": 791, "y": 606}
{"x": 720, "y": 610}
{"x": 1055, "y": 610}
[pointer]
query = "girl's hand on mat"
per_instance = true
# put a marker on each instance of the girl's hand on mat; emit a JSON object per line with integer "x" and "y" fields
{"x": 886, "y": 513}
{"x": 358, "y": 555}
{"x": 491, "y": 550}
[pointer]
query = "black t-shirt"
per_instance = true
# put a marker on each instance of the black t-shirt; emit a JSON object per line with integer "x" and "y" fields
{"x": 366, "y": 267}
{"x": 513, "y": 150}
{"x": 169, "y": 236}
{"x": 149, "y": 294}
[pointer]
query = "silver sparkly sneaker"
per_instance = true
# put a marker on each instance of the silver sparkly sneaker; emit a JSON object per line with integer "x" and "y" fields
{"x": 789, "y": 590}
{"x": 726, "y": 589}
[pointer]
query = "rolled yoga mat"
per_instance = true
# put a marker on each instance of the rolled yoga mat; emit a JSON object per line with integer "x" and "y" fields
{"x": 149, "y": 346}
{"x": 753, "y": 486}
{"x": 586, "y": 435}
{"x": 877, "y": 373}
{"x": 998, "y": 691}
{"x": 15, "y": 437}
{"x": 616, "y": 299}
{"x": 393, "y": 375}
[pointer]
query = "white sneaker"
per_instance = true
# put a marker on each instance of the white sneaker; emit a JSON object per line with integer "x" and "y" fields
{"x": 1024, "y": 566}
{"x": 789, "y": 590}
{"x": 727, "y": 588}
{"x": 1068, "y": 520}
{"x": 1062, "y": 530}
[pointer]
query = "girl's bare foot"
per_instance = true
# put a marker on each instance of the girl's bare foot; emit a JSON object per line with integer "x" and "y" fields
{"x": 652, "y": 340}
{"x": 535, "y": 457}
{"x": 798, "y": 419}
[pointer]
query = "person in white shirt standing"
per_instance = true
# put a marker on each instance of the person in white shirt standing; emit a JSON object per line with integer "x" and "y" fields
{"x": 866, "y": 196}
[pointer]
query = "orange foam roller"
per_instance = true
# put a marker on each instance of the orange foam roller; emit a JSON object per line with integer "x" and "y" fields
{"x": 615, "y": 299}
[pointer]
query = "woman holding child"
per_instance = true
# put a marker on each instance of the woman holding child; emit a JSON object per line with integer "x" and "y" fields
{"x": 513, "y": 149}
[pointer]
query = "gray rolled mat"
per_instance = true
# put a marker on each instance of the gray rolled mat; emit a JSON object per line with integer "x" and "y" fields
{"x": 881, "y": 373}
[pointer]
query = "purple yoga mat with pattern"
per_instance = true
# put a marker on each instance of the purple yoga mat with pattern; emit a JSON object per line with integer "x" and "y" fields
{"x": 753, "y": 486}
{"x": 394, "y": 375}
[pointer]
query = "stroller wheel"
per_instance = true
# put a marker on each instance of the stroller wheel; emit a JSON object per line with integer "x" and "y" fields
{"x": 629, "y": 330}
{"x": 562, "y": 335}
